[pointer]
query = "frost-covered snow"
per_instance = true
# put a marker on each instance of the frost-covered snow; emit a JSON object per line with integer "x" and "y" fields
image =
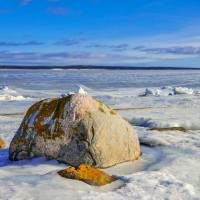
{"x": 168, "y": 168}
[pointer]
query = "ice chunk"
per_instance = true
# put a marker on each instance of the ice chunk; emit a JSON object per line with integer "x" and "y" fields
{"x": 7, "y": 94}
{"x": 158, "y": 92}
{"x": 183, "y": 90}
{"x": 167, "y": 91}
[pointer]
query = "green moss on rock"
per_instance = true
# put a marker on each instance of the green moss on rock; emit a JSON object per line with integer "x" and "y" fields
{"x": 112, "y": 112}
{"x": 101, "y": 109}
{"x": 182, "y": 129}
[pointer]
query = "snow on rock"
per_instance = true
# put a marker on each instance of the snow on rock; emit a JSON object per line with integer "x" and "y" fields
{"x": 82, "y": 91}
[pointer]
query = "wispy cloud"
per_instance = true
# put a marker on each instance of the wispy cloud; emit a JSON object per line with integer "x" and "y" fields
{"x": 58, "y": 10}
{"x": 114, "y": 47}
{"x": 28, "y": 43}
{"x": 66, "y": 58}
{"x": 158, "y": 50}
{"x": 69, "y": 42}
{"x": 17, "y": 55}
{"x": 177, "y": 50}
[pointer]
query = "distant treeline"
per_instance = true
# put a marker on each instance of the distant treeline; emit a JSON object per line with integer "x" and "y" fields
{"x": 97, "y": 67}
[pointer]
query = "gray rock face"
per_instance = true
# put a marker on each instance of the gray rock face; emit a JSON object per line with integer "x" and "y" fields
{"x": 75, "y": 129}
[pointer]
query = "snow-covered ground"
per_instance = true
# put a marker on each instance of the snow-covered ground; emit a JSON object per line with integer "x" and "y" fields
{"x": 169, "y": 165}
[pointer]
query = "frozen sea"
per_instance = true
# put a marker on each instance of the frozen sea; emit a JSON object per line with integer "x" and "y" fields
{"x": 169, "y": 167}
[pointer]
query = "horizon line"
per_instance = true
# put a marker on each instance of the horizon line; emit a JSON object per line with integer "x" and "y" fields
{"x": 109, "y": 67}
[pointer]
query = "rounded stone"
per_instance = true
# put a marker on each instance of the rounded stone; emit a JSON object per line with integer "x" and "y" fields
{"x": 75, "y": 129}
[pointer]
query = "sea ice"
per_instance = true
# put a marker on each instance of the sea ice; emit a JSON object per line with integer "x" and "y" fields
{"x": 7, "y": 94}
{"x": 167, "y": 91}
{"x": 168, "y": 167}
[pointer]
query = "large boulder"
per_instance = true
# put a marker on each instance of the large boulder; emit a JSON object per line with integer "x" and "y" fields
{"x": 75, "y": 129}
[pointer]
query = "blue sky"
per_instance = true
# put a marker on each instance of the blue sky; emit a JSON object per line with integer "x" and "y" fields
{"x": 100, "y": 32}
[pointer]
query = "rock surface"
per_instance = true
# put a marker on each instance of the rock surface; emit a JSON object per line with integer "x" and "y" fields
{"x": 87, "y": 174}
{"x": 75, "y": 129}
{"x": 2, "y": 144}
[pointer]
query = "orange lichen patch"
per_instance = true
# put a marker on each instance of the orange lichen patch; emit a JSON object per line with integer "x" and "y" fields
{"x": 42, "y": 112}
{"x": 58, "y": 116}
{"x": 46, "y": 111}
{"x": 54, "y": 111}
{"x": 87, "y": 174}
{"x": 19, "y": 141}
{"x": 169, "y": 129}
{"x": 2, "y": 144}
{"x": 31, "y": 110}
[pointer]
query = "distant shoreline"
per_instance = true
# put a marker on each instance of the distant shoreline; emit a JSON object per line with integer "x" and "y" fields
{"x": 79, "y": 67}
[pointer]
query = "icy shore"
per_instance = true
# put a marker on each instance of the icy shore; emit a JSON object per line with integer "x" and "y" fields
{"x": 168, "y": 168}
